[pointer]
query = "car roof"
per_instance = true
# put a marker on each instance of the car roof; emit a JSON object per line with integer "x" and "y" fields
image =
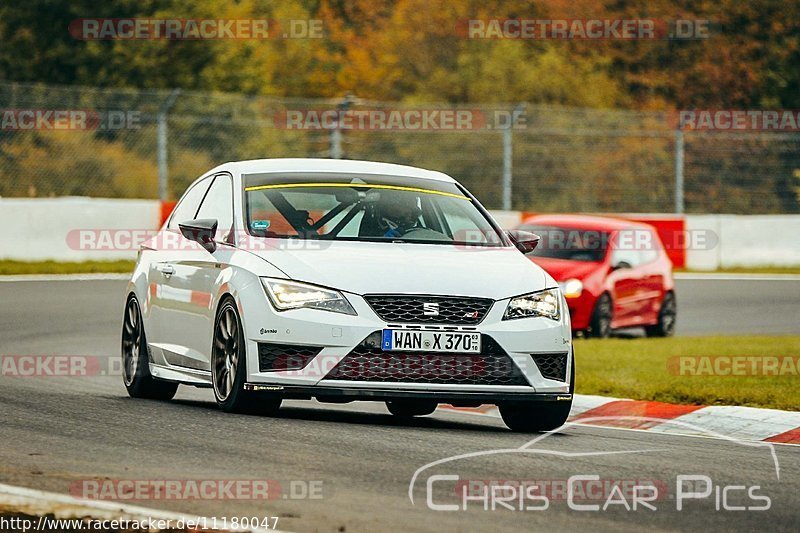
{"x": 335, "y": 166}
{"x": 599, "y": 223}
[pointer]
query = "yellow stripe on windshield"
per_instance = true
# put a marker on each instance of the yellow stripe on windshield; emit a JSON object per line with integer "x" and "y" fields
{"x": 357, "y": 186}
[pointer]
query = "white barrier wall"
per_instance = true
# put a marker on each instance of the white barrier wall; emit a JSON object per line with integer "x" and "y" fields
{"x": 727, "y": 241}
{"x": 746, "y": 241}
{"x": 36, "y": 229}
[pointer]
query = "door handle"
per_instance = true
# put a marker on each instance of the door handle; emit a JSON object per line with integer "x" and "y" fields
{"x": 167, "y": 270}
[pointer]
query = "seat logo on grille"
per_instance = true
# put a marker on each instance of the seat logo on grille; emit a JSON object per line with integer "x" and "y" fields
{"x": 430, "y": 309}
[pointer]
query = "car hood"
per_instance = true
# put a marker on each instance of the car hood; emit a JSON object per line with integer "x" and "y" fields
{"x": 406, "y": 268}
{"x": 563, "y": 269}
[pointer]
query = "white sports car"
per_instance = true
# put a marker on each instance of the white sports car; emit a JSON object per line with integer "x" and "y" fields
{"x": 346, "y": 280}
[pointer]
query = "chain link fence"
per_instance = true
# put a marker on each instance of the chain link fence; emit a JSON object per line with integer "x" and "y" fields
{"x": 68, "y": 141}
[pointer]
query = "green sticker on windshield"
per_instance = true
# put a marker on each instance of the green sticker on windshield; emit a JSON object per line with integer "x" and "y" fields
{"x": 259, "y": 225}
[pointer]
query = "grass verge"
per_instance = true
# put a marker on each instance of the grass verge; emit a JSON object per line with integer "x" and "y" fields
{"x": 8, "y": 267}
{"x": 649, "y": 369}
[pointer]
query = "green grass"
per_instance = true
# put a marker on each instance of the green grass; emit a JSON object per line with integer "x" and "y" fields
{"x": 638, "y": 369}
{"x": 8, "y": 267}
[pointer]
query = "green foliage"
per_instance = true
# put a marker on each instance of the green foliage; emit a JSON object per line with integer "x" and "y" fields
{"x": 413, "y": 50}
{"x": 416, "y": 52}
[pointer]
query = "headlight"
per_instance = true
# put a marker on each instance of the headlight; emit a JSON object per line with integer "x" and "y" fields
{"x": 286, "y": 295}
{"x": 543, "y": 303}
{"x": 572, "y": 288}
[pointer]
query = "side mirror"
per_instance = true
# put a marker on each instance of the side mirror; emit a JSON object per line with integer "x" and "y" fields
{"x": 201, "y": 231}
{"x": 620, "y": 265}
{"x": 525, "y": 241}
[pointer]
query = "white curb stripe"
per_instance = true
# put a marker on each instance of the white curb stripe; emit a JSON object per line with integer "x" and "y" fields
{"x": 746, "y": 423}
{"x": 735, "y": 422}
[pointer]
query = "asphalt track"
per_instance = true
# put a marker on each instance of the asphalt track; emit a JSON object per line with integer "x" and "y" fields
{"x": 55, "y": 432}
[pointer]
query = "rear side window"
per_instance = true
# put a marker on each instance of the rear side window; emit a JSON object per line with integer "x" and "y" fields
{"x": 188, "y": 205}
{"x": 635, "y": 246}
{"x": 651, "y": 251}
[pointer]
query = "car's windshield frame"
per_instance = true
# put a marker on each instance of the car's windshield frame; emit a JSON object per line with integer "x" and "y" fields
{"x": 286, "y": 181}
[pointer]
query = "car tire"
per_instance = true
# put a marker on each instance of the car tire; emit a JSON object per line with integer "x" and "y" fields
{"x": 136, "y": 359}
{"x": 667, "y": 315}
{"x": 531, "y": 417}
{"x": 410, "y": 408}
{"x": 229, "y": 366}
{"x": 603, "y": 314}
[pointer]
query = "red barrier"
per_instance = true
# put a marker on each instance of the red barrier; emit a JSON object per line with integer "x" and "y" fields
{"x": 166, "y": 210}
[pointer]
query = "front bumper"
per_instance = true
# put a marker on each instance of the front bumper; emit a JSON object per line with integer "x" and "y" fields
{"x": 336, "y": 336}
{"x": 458, "y": 398}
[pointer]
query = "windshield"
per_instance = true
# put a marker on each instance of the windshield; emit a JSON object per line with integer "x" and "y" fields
{"x": 364, "y": 208}
{"x": 569, "y": 243}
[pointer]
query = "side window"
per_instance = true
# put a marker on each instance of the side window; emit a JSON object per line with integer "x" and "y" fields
{"x": 632, "y": 257}
{"x": 218, "y": 204}
{"x": 187, "y": 207}
{"x": 651, "y": 251}
{"x": 635, "y": 247}
{"x": 625, "y": 248}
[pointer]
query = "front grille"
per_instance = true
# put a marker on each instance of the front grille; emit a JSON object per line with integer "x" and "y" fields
{"x": 552, "y": 365}
{"x": 367, "y": 362}
{"x": 274, "y": 357}
{"x": 412, "y": 309}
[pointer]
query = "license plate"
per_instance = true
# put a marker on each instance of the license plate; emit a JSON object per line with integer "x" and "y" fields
{"x": 430, "y": 341}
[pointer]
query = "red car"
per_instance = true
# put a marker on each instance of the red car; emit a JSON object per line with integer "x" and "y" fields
{"x": 614, "y": 273}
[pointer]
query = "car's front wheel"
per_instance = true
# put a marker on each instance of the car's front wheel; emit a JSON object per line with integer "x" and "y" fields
{"x": 135, "y": 361}
{"x": 410, "y": 408}
{"x": 229, "y": 366}
{"x": 528, "y": 417}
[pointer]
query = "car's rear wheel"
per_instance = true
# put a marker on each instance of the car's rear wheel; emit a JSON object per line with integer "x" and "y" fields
{"x": 667, "y": 315}
{"x": 600, "y": 325}
{"x": 229, "y": 366}
{"x": 135, "y": 360}
{"x": 411, "y": 408}
{"x": 528, "y": 417}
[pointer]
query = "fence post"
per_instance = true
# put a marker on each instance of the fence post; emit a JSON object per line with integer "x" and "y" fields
{"x": 679, "y": 153}
{"x": 336, "y": 132}
{"x": 508, "y": 156}
{"x": 163, "y": 169}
